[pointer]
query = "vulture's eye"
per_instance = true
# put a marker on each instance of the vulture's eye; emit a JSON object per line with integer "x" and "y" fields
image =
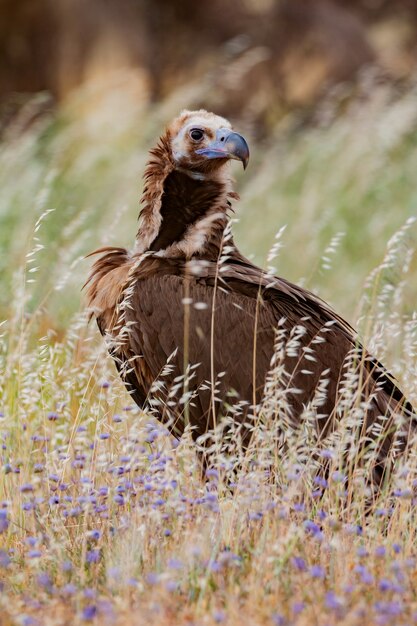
{"x": 196, "y": 134}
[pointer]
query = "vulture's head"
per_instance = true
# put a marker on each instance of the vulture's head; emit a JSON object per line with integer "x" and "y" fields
{"x": 188, "y": 186}
{"x": 202, "y": 142}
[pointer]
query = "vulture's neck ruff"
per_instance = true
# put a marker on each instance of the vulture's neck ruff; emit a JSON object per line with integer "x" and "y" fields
{"x": 185, "y": 202}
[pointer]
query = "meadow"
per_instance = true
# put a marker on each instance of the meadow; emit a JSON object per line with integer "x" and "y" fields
{"x": 105, "y": 517}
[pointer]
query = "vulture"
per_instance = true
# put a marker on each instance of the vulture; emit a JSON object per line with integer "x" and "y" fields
{"x": 200, "y": 334}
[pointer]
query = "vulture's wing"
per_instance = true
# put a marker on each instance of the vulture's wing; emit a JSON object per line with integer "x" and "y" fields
{"x": 224, "y": 324}
{"x": 172, "y": 319}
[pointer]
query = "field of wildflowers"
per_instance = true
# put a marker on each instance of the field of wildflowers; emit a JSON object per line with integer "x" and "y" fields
{"x": 104, "y": 516}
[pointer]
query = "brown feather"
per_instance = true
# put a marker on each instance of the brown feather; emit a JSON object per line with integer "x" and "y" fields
{"x": 106, "y": 282}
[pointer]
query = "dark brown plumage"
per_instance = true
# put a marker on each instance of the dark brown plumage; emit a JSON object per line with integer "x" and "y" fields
{"x": 186, "y": 295}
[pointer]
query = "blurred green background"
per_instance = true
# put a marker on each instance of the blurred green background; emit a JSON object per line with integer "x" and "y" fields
{"x": 324, "y": 90}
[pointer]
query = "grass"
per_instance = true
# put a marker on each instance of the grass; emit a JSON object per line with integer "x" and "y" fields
{"x": 105, "y": 517}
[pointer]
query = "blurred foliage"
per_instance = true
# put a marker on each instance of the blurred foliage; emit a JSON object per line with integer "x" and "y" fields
{"x": 265, "y": 56}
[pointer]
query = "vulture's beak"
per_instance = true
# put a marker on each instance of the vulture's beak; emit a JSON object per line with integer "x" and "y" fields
{"x": 227, "y": 145}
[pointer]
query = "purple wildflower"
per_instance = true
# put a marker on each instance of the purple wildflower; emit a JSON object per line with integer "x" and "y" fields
{"x": 320, "y": 481}
{"x": 171, "y": 585}
{"x": 226, "y": 557}
{"x": 152, "y": 578}
{"x": 380, "y": 551}
{"x": 75, "y": 512}
{"x": 327, "y": 454}
{"x": 403, "y": 493}
{"x": 215, "y": 566}
{"x": 31, "y": 541}
{"x": 4, "y": 521}
{"x": 92, "y": 556}
{"x": 39, "y": 438}
{"x": 353, "y": 529}
{"x": 4, "y": 559}
{"x": 105, "y": 607}
{"x": 256, "y": 516}
{"x": 316, "y": 571}
{"x": 299, "y": 563}
{"x": 34, "y": 554}
{"x": 69, "y": 589}
{"x": 299, "y": 507}
{"x": 113, "y": 572}
{"x": 333, "y": 602}
{"x": 393, "y": 608}
{"x": 44, "y": 580}
{"x": 298, "y": 607}
{"x": 385, "y": 584}
{"x": 89, "y": 612}
{"x": 364, "y": 574}
{"x": 312, "y": 527}
{"x": 338, "y": 477}
{"x": 94, "y": 535}
{"x": 152, "y": 436}
{"x": 26, "y": 488}
{"x": 219, "y": 616}
{"x": 28, "y": 620}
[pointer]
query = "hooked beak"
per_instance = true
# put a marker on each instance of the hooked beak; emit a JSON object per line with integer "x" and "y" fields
{"x": 227, "y": 145}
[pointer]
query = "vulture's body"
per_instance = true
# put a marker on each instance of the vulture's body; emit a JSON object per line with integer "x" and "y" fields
{"x": 186, "y": 297}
